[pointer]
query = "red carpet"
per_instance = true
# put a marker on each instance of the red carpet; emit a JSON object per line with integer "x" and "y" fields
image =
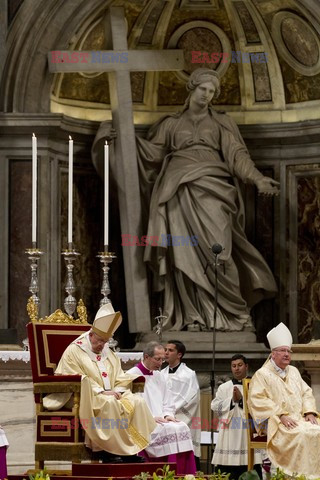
{"x": 115, "y": 470}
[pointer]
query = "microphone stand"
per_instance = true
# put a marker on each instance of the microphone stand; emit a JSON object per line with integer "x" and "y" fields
{"x": 215, "y": 309}
{"x": 216, "y": 250}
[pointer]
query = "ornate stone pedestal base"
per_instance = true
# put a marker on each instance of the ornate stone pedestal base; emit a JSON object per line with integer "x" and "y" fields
{"x": 199, "y": 347}
{"x": 309, "y": 353}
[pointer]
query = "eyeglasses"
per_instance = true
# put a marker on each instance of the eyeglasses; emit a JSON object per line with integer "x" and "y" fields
{"x": 283, "y": 350}
{"x": 157, "y": 359}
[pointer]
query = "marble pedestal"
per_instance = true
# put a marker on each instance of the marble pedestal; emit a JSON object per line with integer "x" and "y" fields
{"x": 199, "y": 346}
{"x": 309, "y": 354}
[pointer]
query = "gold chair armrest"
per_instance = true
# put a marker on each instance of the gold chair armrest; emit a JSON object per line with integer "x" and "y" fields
{"x": 137, "y": 387}
{"x": 63, "y": 387}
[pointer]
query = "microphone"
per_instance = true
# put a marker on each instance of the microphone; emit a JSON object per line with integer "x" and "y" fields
{"x": 216, "y": 248}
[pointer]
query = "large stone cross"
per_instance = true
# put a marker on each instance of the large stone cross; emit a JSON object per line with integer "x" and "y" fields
{"x": 126, "y": 169}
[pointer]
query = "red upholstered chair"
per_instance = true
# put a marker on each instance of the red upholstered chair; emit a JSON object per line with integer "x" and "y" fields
{"x": 59, "y": 435}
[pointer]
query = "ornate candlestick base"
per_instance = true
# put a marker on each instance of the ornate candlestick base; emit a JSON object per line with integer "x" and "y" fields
{"x": 105, "y": 259}
{"x": 34, "y": 255}
{"x": 70, "y": 302}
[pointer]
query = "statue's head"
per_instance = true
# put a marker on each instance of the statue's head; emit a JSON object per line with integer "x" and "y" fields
{"x": 203, "y": 75}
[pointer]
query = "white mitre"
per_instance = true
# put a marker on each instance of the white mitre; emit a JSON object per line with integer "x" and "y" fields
{"x": 106, "y": 321}
{"x": 279, "y": 336}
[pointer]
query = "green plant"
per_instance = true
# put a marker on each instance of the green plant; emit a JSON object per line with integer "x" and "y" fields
{"x": 280, "y": 475}
{"x": 219, "y": 476}
{"x": 199, "y": 474}
{"x": 42, "y": 475}
{"x": 142, "y": 476}
{"x": 166, "y": 474}
{"x": 249, "y": 475}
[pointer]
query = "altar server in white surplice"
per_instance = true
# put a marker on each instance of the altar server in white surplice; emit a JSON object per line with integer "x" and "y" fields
{"x": 171, "y": 440}
{"x": 279, "y": 395}
{"x": 231, "y": 451}
{"x": 185, "y": 390}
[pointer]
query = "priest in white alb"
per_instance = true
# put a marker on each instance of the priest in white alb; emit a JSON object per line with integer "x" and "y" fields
{"x": 171, "y": 441}
{"x": 231, "y": 451}
{"x": 280, "y": 397}
{"x": 115, "y": 420}
{"x": 185, "y": 390}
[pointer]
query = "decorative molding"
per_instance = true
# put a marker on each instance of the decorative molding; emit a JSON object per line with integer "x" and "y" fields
{"x": 217, "y": 31}
{"x": 22, "y": 356}
{"x": 249, "y": 27}
{"x": 299, "y": 47}
{"x": 58, "y": 316}
{"x": 199, "y": 4}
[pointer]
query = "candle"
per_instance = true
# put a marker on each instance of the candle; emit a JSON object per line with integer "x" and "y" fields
{"x": 70, "y": 192}
{"x": 106, "y": 195}
{"x": 34, "y": 189}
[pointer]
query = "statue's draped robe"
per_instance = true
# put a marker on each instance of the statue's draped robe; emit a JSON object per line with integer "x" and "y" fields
{"x": 189, "y": 170}
{"x": 294, "y": 450}
{"x": 185, "y": 391}
{"x": 232, "y": 444}
{"x": 122, "y": 427}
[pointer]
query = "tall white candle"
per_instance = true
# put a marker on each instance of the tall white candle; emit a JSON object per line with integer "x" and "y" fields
{"x": 70, "y": 190}
{"x": 34, "y": 189}
{"x": 106, "y": 194}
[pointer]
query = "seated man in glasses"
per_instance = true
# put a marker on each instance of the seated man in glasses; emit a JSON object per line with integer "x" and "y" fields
{"x": 171, "y": 440}
{"x": 279, "y": 394}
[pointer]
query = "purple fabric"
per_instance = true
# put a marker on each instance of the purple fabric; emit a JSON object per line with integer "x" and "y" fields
{"x": 144, "y": 370}
{"x": 185, "y": 461}
{"x": 3, "y": 463}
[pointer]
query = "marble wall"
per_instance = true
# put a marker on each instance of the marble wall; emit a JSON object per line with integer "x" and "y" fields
{"x": 308, "y": 191}
{"x": 284, "y": 229}
{"x": 18, "y": 422}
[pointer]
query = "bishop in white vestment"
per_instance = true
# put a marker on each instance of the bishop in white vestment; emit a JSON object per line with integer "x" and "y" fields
{"x": 279, "y": 395}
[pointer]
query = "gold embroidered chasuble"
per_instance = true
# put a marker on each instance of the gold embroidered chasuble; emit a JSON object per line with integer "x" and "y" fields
{"x": 122, "y": 427}
{"x": 293, "y": 450}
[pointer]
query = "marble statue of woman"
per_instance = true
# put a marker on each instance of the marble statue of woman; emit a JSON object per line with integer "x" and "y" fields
{"x": 191, "y": 164}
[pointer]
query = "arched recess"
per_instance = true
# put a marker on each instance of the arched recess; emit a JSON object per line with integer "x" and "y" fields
{"x": 36, "y": 30}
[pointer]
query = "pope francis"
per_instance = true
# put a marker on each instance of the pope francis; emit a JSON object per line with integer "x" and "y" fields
{"x": 279, "y": 395}
{"x": 114, "y": 419}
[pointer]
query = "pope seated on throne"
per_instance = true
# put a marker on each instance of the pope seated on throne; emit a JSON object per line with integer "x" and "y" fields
{"x": 114, "y": 419}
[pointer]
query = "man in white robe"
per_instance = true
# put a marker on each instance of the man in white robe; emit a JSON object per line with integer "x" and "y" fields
{"x": 279, "y": 395}
{"x": 185, "y": 390}
{"x": 231, "y": 451}
{"x": 115, "y": 420}
{"x": 171, "y": 440}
